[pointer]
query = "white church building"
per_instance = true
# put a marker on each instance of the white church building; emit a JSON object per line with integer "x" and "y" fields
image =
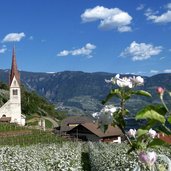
{"x": 11, "y": 110}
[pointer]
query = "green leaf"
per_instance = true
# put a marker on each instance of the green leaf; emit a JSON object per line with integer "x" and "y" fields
{"x": 103, "y": 128}
{"x": 150, "y": 124}
{"x": 141, "y": 132}
{"x": 160, "y": 109}
{"x": 169, "y": 119}
{"x": 157, "y": 142}
{"x": 130, "y": 150}
{"x": 119, "y": 118}
{"x": 142, "y": 93}
{"x": 164, "y": 129}
{"x": 134, "y": 146}
{"x": 151, "y": 113}
{"x": 114, "y": 92}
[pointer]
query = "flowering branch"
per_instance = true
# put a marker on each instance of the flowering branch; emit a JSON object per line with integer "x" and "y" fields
{"x": 155, "y": 115}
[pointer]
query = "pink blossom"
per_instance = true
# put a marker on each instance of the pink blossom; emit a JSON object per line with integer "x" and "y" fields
{"x": 160, "y": 90}
{"x": 143, "y": 157}
{"x": 148, "y": 158}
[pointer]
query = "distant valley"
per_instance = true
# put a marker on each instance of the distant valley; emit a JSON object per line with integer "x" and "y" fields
{"x": 82, "y": 93}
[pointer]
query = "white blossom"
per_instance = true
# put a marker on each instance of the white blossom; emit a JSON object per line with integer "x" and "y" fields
{"x": 105, "y": 116}
{"x": 95, "y": 115}
{"x": 109, "y": 109}
{"x": 113, "y": 79}
{"x": 129, "y": 82}
{"x": 132, "y": 132}
{"x": 41, "y": 157}
{"x": 137, "y": 81}
{"x": 152, "y": 133}
{"x": 124, "y": 82}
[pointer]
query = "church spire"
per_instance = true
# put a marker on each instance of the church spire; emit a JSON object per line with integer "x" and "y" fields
{"x": 14, "y": 70}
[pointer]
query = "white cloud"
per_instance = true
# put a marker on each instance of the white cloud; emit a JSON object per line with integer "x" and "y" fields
{"x": 3, "y": 49}
{"x": 64, "y": 53}
{"x": 163, "y": 18}
{"x": 140, "y": 7}
{"x": 167, "y": 71}
{"x": 141, "y": 72}
{"x": 13, "y": 37}
{"x": 141, "y": 51}
{"x": 85, "y": 51}
{"x": 162, "y": 58}
{"x": 124, "y": 29}
{"x": 168, "y": 6}
{"x": 154, "y": 71}
{"x": 112, "y": 18}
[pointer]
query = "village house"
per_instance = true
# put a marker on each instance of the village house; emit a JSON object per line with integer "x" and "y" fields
{"x": 85, "y": 129}
{"x": 11, "y": 110}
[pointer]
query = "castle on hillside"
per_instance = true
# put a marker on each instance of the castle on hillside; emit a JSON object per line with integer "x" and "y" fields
{"x": 11, "y": 110}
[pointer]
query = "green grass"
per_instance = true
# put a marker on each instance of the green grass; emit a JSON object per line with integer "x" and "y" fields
{"x": 16, "y": 135}
{"x": 48, "y": 124}
{"x": 85, "y": 158}
{"x": 85, "y": 161}
{"x": 34, "y": 122}
{"x": 10, "y": 127}
{"x": 35, "y": 138}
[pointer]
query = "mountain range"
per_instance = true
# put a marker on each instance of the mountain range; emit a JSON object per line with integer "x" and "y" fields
{"x": 81, "y": 93}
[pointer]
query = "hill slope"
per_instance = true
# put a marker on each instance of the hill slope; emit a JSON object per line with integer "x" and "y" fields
{"x": 32, "y": 104}
{"x": 81, "y": 92}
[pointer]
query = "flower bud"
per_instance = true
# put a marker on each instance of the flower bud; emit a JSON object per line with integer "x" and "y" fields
{"x": 160, "y": 90}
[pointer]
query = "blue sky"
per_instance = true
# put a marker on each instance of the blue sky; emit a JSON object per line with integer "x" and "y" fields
{"x": 116, "y": 36}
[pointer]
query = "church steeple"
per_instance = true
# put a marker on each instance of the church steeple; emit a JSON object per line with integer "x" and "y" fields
{"x": 14, "y": 70}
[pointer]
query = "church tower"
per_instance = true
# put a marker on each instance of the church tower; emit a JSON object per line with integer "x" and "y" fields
{"x": 15, "y": 91}
{"x": 11, "y": 110}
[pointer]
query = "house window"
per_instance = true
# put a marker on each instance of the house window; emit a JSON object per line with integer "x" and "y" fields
{"x": 73, "y": 125}
{"x": 15, "y": 92}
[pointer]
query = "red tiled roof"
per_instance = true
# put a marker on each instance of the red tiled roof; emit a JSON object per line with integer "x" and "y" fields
{"x": 166, "y": 138}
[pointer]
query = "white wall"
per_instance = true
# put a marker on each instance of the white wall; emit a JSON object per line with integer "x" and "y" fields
{"x": 12, "y": 108}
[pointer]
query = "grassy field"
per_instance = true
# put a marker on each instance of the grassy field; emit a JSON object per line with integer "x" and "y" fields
{"x": 34, "y": 120}
{"x": 11, "y": 134}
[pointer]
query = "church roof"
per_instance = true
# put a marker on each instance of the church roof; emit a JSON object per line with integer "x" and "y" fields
{"x": 14, "y": 70}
